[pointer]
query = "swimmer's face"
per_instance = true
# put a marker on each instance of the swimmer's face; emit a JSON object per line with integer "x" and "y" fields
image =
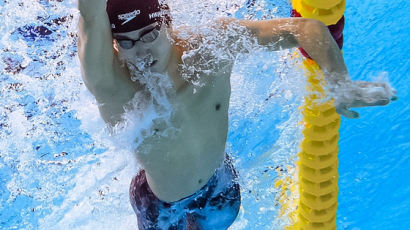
{"x": 149, "y": 45}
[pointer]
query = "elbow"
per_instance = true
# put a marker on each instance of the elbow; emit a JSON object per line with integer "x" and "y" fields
{"x": 313, "y": 27}
{"x": 312, "y": 23}
{"x": 315, "y": 32}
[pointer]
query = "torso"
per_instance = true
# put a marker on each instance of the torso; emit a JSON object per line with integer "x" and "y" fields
{"x": 178, "y": 165}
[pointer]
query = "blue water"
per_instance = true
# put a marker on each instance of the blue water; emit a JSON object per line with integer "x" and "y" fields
{"x": 374, "y": 162}
{"x": 58, "y": 169}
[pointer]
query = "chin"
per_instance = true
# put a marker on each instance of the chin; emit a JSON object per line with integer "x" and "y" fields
{"x": 159, "y": 67}
{"x": 161, "y": 64}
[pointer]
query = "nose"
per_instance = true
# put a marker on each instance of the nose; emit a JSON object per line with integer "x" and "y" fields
{"x": 141, "y": 51}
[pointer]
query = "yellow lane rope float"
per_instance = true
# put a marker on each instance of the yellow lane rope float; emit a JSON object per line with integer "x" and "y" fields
{"x": 316, "y": 190}
{"x": 318, "y": 160}
{"x": 326, "y": 11}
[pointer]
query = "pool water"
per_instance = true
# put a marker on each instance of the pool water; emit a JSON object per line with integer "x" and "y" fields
{"x": 60, "y": 169}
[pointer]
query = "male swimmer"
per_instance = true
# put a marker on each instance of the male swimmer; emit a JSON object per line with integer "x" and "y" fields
{"x": 187, "y": 181}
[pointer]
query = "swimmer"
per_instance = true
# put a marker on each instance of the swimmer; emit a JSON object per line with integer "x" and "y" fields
{"x": 188, "y": 181}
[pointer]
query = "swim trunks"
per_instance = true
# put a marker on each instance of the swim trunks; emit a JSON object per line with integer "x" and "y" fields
{"x": 214, "y": 207}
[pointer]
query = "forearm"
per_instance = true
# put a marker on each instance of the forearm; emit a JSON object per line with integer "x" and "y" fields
{"x": 314, "y": 37}
{"x": 91, "y": 10}
{"x": 95, "y": 33}
{"x": 95, "y": 41}
{"x": 95, "y": 45}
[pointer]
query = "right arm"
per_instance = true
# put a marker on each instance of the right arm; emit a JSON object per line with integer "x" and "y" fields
{"x": 101, "y": 69}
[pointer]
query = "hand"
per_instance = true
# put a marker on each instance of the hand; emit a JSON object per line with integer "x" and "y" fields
{"x": 355, "y": 94}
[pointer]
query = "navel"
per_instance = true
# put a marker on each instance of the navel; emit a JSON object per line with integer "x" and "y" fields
{"x": 217, "y": 106}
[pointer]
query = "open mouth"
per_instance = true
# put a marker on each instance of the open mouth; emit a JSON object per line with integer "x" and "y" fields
{"x": 150, "y": 63}
{"x": 153, "y": 63}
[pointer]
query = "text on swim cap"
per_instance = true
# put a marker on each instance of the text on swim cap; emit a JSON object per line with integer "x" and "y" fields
{"x": 129, "y": 16}
{"x": 156, "y": 14}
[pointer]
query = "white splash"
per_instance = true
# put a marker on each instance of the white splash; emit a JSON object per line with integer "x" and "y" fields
{"x": 65, "y": 170}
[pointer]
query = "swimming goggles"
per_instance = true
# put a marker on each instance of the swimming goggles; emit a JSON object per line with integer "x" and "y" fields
{"x": 147, "y": 36}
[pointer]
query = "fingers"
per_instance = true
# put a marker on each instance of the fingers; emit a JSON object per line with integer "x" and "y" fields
{"x": 369, "y": 102}
{"x": 382, "y": 102}
{"x": 342, "y": 110}
{"x": 362, "y": 94}
{"x": 372, "y": 94}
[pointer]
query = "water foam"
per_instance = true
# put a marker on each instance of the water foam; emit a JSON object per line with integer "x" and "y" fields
{"x": 63, "y": 168}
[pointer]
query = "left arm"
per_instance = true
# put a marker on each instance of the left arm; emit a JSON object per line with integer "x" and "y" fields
{"x": 314, "y": 37}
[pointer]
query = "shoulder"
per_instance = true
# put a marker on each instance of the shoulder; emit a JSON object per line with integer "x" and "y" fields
{"x": 185, "y": 38}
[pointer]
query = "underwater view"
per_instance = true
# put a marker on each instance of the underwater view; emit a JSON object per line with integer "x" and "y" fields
{"x": 62, "y": 168}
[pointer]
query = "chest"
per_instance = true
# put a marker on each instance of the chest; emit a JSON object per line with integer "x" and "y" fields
{"x": 210, "y": 101}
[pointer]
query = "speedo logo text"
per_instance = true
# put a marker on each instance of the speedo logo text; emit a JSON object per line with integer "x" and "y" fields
{"x": 129, "y": 16}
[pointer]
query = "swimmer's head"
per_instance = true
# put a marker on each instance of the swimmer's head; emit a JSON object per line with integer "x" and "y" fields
{"x": 140, "y": 29}
{"x": 130, "y": 15}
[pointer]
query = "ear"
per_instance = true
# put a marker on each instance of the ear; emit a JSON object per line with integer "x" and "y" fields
{"x": 115, "y": 45}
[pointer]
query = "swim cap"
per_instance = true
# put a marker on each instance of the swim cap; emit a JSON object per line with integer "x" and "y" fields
{"x": 129, "y": 15}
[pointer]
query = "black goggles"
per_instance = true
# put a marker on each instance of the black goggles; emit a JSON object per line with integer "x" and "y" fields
{"x": 147, "y": 36}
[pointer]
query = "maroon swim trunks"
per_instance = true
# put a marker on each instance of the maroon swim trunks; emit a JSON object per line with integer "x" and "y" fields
{"x": 214, "y": 207}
